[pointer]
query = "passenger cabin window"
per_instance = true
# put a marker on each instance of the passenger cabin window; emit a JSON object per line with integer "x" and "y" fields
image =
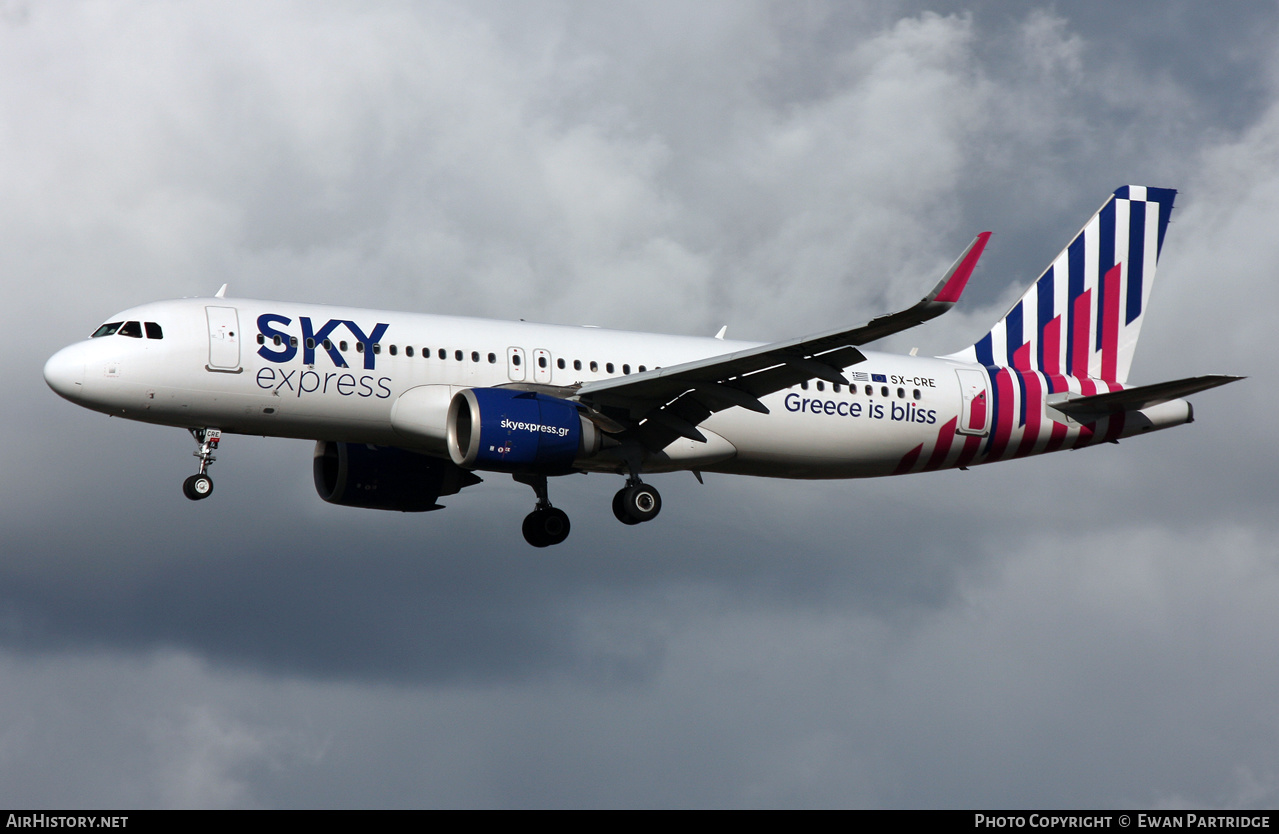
{"x": 475, "y": 356}
{"x": 132, "y": 329}
{"x": 577, "y": 364}
{"x": 559, "y": 363}
{"x": 106, "y": 329}
{"x": 394, "y": 351}
{"x": 154, "y": 331}
{"x": 608, "y": 366}
{"x": 492, "y": 358}
{"x": 594, "y": 367}
{"x": 515, "y": 359}
{"x": 444, "y": 354}
{"x": 457, "y": 354}
{"x": 541, "y": 361}
{"x": 408, "y": 351}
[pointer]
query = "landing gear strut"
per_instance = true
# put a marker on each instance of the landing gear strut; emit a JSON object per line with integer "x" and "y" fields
{"x": 201, "y": 485}
{"x": 636, "y": 502}
{"x": 546, "y": 525}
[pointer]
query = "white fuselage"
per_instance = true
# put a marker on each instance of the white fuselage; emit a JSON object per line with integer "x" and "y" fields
{"x": 261, "y": 367}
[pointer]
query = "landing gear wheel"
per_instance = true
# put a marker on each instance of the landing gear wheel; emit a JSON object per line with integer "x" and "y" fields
{"x": 197, "y": 487}
{"x": 637, "y": 504}
{"x": 546, "y": 527}
{"x": 619, "y": 507}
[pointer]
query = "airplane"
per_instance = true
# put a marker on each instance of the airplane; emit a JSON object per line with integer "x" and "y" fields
{"x": 406, "y": 408}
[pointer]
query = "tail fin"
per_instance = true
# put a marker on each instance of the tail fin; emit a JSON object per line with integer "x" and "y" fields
{"x": 1082, "y": 317}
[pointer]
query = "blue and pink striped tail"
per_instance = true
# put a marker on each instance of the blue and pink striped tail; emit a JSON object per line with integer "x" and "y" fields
{"x": 1083, "y": 316}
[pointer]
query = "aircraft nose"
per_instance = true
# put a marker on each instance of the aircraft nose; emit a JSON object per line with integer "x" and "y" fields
{"x": 64, "y": 372}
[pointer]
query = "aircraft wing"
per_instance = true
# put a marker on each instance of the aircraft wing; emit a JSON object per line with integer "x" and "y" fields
{"x": 666, "y": 403}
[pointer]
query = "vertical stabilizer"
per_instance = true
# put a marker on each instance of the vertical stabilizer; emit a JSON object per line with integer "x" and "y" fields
{"x": 1083, "y": 316}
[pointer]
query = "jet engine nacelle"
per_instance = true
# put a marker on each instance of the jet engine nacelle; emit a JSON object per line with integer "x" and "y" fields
{"x": 384, "y": 478}
{"x": 506, "y": 430}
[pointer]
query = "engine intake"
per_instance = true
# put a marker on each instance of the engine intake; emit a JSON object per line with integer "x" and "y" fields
{"x": 505, "y": 430}
{"x": 384, "y": 478}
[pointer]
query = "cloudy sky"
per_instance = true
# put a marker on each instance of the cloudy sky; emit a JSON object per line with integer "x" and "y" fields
{"x": 1090, "y": 629}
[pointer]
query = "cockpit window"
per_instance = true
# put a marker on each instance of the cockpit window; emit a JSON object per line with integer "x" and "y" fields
{"x": 154, "y": 331}
{"x": 132, "y": 329}
{"x": 107, "y": 329}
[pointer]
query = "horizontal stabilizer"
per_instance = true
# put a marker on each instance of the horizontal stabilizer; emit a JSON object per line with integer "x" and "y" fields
{"x": 1087, "y": 409}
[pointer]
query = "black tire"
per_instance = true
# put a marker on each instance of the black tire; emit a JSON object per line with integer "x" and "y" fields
{"x": 197, "y": 487}
{"x": 555, "y": 525}
{"x": 619, "y": 507}
{"x": 641, "y": 503}
{"x": 543, "y": 528}
{"x": 532, "y": 529}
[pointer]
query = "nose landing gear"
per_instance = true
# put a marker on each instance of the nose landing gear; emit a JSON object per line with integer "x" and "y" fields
{"x": 200, "y": 485}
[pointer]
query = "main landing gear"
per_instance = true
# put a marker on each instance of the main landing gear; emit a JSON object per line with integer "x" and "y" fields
{"x": 546, "y": 525}
{"x": 636, "y": 502}
{"x": 201, "y": 485}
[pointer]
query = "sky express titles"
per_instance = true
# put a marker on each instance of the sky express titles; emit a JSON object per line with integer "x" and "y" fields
{"x": 279, "y": 346}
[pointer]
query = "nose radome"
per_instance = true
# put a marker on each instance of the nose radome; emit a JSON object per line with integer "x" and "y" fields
{"x": 64, "y": 372}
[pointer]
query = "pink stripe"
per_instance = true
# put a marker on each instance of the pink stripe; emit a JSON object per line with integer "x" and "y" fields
{"x": 971, "y": 445}
{"x": 944, "y": 438}
{"x": 1052, "y": 347}
{"x": 1056, "y": 437}
{"x": 1021, "y": 357}
{"x": 1087, "y": 434}
{"x": 908, "y": 460}
{"x": 955, "y": 286}
{"x": 1116, "y": 425}
{"x": 1110, "y": 323}
{"x": 1080, "y": 323}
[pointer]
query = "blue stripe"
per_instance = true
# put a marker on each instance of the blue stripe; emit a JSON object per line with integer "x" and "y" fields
{"x": 985, "y": 353}
{"x": 1122, "y": 192}
{"x": 994, "y": 406}
{"x": 1075, "y": 257}
{"x": 1165, "y": 198}
{"x": 1105, "y": 255}
{"x": 1045, "y": 313}
{"x": 1012, "y": 332}
{"x": 1136, "y": 259}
